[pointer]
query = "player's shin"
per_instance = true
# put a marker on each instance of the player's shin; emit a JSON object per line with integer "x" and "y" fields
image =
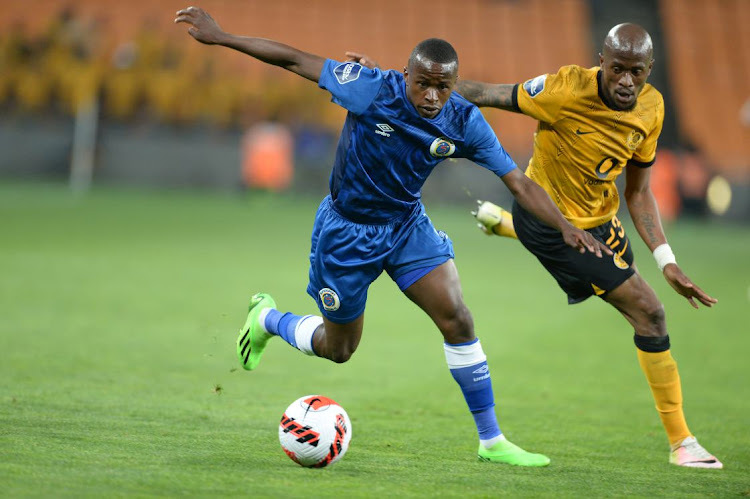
{"x": 296, "y": 330}
{"x": 469, "y": 368}
{"x": 664, "y": 379}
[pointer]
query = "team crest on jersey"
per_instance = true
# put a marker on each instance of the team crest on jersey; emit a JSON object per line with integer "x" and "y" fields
{"x": 347, "y": 72}
{"x": 619, "y": 262}
{"x": 535, "y": 86}
{"x": 442, "y": 147}
{"x": 634, "y": 140}
{"x": 329, "y": 299}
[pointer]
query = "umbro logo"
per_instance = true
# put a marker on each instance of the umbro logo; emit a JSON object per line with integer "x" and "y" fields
{"x": 579, "y": 132}
{"x": 384, "y": 129}
{"x": 481, "y": 370}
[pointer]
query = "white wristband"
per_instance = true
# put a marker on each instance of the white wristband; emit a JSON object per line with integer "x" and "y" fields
{"x": 664, "y": 256}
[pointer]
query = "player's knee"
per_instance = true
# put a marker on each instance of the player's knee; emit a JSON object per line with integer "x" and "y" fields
{"x": 654, "y": 319}
{"x": 457, "y": 325}
{"x": 341, "y": 355}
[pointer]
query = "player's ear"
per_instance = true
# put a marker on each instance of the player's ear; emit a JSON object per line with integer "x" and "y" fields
{"x": 601, "y": 60}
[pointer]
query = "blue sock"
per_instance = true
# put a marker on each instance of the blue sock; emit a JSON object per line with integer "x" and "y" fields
{"x": 469, "y": 368}
{"x": 282, "y": 325}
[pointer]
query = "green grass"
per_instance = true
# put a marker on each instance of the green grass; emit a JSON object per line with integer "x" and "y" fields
{"x": 118, "y": 375}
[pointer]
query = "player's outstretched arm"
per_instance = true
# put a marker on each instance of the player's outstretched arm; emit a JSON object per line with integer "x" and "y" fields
{"x": 535, "y": 199}
{"x": 204, "y": 29}
{"x": 645, "y": 214}
{"x": 487, "y": 94}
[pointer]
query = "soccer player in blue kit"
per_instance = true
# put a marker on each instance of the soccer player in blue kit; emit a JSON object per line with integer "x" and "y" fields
{"x": 398, "y": 128}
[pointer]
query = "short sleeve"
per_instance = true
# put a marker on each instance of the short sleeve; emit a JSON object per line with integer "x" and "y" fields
{"x": 645, "y": 155}
{"x": 484, "y": 146}
{"x": 543, "y": 97}
{"x": 352, "y": 85}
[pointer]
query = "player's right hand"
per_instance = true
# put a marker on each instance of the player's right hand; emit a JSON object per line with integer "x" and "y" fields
{"x": 687, "y": 288}
{"x": 204, "y": 28}
{"x": 362, "y": 59}
{"x": 583, "y": 241}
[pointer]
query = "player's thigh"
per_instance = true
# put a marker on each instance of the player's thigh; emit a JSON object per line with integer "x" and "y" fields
{"x": 580, "y": 275}
{"x": 417, "y": 249}
{"x": 638, "y": 303}
{"x": 345, "y": 258}
{"x": 439, "y": 294}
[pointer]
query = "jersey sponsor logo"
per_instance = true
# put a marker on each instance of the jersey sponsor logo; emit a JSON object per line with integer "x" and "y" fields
{"x": 329, "y": 299}
{"x": 591, "y": 181}
{"x": 634, "y": 140}
{"x": 347, "y": 72}
{"x": 535, "y": 86}
{"x": 581, "y": 132}
{"x": 384, "y": 129}
{"x": 442, "y": 147}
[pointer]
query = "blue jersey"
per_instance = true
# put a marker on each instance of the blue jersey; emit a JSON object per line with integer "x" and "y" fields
{"x": 387, "y": 150}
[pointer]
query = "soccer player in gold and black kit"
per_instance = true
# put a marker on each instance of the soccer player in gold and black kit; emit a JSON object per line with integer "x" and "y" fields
{"x": 595, "y": 124}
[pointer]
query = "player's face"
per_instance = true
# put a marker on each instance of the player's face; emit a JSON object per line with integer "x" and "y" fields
{"x": 623, "y": 76}
{"x": 429, "y": 85}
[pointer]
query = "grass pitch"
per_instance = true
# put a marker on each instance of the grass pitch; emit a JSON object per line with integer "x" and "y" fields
{"x": 118, "y": 374}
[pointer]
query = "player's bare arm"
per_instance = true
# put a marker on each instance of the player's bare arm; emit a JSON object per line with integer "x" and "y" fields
{"x": 535, "y": 199}
{"x": 487, "y": 94}
{"x": 204, "y": 29}
{"x": 645, "y": 214}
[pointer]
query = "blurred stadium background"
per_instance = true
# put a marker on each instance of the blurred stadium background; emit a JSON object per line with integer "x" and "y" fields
{"x": 100, "y": 92}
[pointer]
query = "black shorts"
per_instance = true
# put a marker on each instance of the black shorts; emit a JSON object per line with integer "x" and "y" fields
{"x": 579, "y": 275}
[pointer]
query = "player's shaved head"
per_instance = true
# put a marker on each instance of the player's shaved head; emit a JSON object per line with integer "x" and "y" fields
{"x": 630, "y": 39}
{"x": 434, "y": 50}
{"x": 626, "y": 62}
{"x": 430, "y": 76}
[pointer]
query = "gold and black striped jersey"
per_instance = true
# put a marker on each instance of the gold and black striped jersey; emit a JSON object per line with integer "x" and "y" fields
{"x": 581, "y": 145}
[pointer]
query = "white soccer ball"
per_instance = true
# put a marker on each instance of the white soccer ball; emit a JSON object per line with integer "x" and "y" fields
{"x": 315, "y": 431}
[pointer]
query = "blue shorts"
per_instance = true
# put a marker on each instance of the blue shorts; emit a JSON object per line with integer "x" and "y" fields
{"x": 346, "y": 257}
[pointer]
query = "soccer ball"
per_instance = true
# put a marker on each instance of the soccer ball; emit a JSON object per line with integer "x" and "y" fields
{"x": 315, "y": 431}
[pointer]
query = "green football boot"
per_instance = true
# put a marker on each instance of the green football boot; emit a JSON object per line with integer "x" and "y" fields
{"x": 253, "y": 339}
{"x": 509, "y": 453}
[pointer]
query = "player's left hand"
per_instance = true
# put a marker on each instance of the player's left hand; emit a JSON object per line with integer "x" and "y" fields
{"x": 362, "y": 59}
{"x": 687, "y": 288}
{"x": 204, "y": 28}
{"x": 583, "y": 241}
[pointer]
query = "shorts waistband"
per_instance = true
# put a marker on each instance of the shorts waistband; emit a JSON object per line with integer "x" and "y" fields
{"x": 397, "y": 220}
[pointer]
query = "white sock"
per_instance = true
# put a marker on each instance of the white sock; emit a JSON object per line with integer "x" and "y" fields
{"x": 492, "y": 441}
{"x": 303, "y": 333}
{"x": 262, "y": 318}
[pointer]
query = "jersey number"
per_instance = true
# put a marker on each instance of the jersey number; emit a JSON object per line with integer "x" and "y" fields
{"x": 605, "y": 166}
